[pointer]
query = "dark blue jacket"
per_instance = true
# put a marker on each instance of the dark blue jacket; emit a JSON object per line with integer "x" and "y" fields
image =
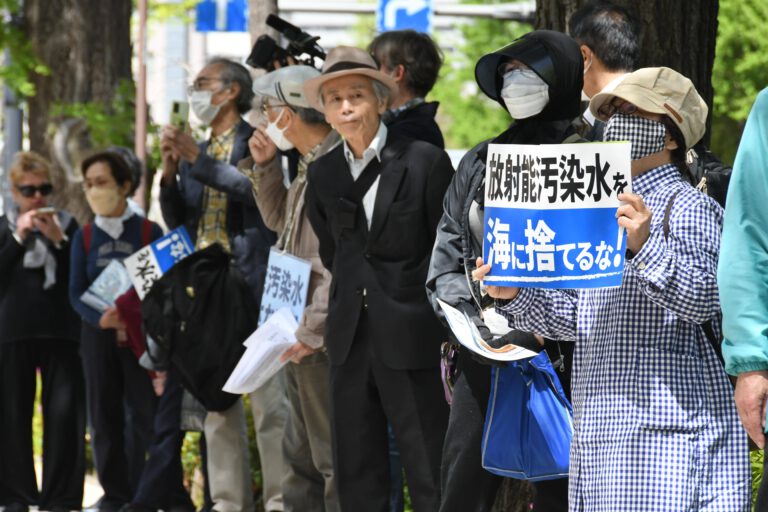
{"x": 182, "y": 203}
{"x": 85, "y": 268}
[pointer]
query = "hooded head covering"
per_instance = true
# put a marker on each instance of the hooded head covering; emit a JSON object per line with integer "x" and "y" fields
{"x": 554, "y": 56}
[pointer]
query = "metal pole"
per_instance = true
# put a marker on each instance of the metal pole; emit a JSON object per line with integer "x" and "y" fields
{"x": 140, "y": 145}
{"x": 13, "y": 118}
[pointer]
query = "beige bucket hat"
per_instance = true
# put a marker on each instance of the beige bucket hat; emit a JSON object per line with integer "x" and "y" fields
{"x": 343, "y": 61}
{"x": 660, "y": 91}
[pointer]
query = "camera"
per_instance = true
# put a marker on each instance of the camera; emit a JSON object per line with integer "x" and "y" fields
{"x": 302, "y": 47}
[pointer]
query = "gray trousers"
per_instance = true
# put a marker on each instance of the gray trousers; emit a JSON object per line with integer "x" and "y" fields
{"x": 309, "y": 484}
{"x": 229, "y": 472}
{"x": 269, "y": 406}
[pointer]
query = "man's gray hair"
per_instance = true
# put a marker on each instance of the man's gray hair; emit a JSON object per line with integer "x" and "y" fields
{"x": 381, "y": 91}
{"x": 310, "y": 116}
{"x": 232, "y": 72}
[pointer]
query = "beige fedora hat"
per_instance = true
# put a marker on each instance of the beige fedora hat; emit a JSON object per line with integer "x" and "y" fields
{"x": 660, "y": 91}
{"x": 343, "y": 61}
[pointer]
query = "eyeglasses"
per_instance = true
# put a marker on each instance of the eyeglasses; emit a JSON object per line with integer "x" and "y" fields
{"x": 199, "y": 83}
{"x": 266, "y": 105}
{"x": 608, "y": 109}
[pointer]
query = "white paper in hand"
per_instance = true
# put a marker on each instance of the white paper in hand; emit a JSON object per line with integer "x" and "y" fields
{"x": 261, "y": 359}
{"x": 468, "y": 335}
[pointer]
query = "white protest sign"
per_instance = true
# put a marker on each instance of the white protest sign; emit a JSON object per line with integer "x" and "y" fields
{"x": 286, "y": 285}
{"x": 149, "y": 263}
{"x": 550, "y": 214}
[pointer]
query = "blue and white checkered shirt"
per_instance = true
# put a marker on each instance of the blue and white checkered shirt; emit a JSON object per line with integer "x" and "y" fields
{"x": 655, "y": 425}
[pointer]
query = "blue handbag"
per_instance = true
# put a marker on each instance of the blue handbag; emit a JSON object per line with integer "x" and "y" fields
{"x": 529, "y": 422}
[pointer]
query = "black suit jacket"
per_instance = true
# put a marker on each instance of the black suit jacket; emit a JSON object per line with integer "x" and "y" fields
{"x": 386, "y": 267}
{"x": 182, "y": 203}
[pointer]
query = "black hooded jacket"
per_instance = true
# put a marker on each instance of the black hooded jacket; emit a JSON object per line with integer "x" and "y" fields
{"x": 454, "y": 253}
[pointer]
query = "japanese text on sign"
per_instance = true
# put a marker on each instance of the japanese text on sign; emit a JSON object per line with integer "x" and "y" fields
{"x": 550, "y": 214}
{"x": 286, "y": 285}
{"x": 149, "y": 263}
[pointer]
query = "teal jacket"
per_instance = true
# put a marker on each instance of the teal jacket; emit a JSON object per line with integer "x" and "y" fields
{"x": 743, "y": 267}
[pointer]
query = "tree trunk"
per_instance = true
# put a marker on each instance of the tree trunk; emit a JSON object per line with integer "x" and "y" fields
{"x": 86, "y": 44}
{"x": 258, "y": 10}
{"x": 679, "y": 35}
{"x": 513, "y": 496}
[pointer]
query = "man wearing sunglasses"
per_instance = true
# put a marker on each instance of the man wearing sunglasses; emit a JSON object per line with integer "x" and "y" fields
{"x": 38, "y": 329}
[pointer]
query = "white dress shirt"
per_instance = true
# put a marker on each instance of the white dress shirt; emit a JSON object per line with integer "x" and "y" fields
{"x": 357, "y": 165}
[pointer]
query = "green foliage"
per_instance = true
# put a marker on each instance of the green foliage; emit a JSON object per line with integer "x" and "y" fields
{"x": 161, "y": 11}
{"x": 740, "y": 70}
{"x": 109, "y": 123}
{"x": 112, "y": 123}
{"x": 16, "y": 73}
{"x": 466, "y": 115}
{"x": 756, "y": 461}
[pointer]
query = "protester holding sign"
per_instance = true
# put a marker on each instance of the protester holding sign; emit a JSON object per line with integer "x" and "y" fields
{"x": 651, "y": 400}
{"x": 117, "y": 387}
{"x": 38, "y": 330}
{"x": 538, "y": 79}
{"x": 309, "y": 480}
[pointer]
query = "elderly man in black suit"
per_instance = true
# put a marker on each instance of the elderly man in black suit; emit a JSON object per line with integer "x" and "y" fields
{"x": 374, "y": 202}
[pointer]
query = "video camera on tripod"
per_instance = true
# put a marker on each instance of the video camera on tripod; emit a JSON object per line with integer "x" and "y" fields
{"x": 302, "y": 47}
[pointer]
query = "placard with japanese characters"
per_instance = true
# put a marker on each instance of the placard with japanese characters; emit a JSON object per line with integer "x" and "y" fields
{"x": 550, "y": 214}
{"x": 286, "y": 285}
{"x": 149, "y": 263}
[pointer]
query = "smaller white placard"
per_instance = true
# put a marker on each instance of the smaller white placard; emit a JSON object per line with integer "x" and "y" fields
{"x": 261, "y": 359}
{"x": 466, "y": 332}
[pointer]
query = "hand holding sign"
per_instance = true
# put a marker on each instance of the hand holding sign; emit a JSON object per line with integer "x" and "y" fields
{"x": 497, "y": 292}
{"x": 635, "y": 217}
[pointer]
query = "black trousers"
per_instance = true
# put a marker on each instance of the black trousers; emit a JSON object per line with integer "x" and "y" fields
{"x": 63, "y": 404}
{"x": 365, "y": 395}
{"x": 466, "y": 486}
{"x": 162, "y": 482}
{"x": 121, "y": 410}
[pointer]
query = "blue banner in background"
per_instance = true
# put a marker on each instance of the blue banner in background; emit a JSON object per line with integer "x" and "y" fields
{"x": 222, "y": 16}
{"x": 404, "y": 14}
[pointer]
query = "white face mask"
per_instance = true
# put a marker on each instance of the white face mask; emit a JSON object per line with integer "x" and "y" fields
{"x": 277, "y": 134}
{"x": 524, "y": 93}
{"x": 200, "y": 102}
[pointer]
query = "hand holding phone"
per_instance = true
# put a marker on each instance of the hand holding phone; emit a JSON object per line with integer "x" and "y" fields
{"x": 179, "y": 115}
{"x": 45, "y": 210}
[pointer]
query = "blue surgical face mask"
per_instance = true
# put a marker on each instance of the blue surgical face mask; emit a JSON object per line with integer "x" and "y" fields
{"x": 646, "y": 136}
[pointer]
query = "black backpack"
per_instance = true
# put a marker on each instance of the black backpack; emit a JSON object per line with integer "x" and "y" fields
{"x": 707, "y": 173}
{"x": 200, "y": 312}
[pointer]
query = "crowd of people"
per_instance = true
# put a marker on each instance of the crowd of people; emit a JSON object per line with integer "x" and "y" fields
{"x": 345, "y": 169}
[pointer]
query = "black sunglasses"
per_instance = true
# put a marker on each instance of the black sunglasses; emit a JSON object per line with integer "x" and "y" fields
{"x": 30, "y": 190}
